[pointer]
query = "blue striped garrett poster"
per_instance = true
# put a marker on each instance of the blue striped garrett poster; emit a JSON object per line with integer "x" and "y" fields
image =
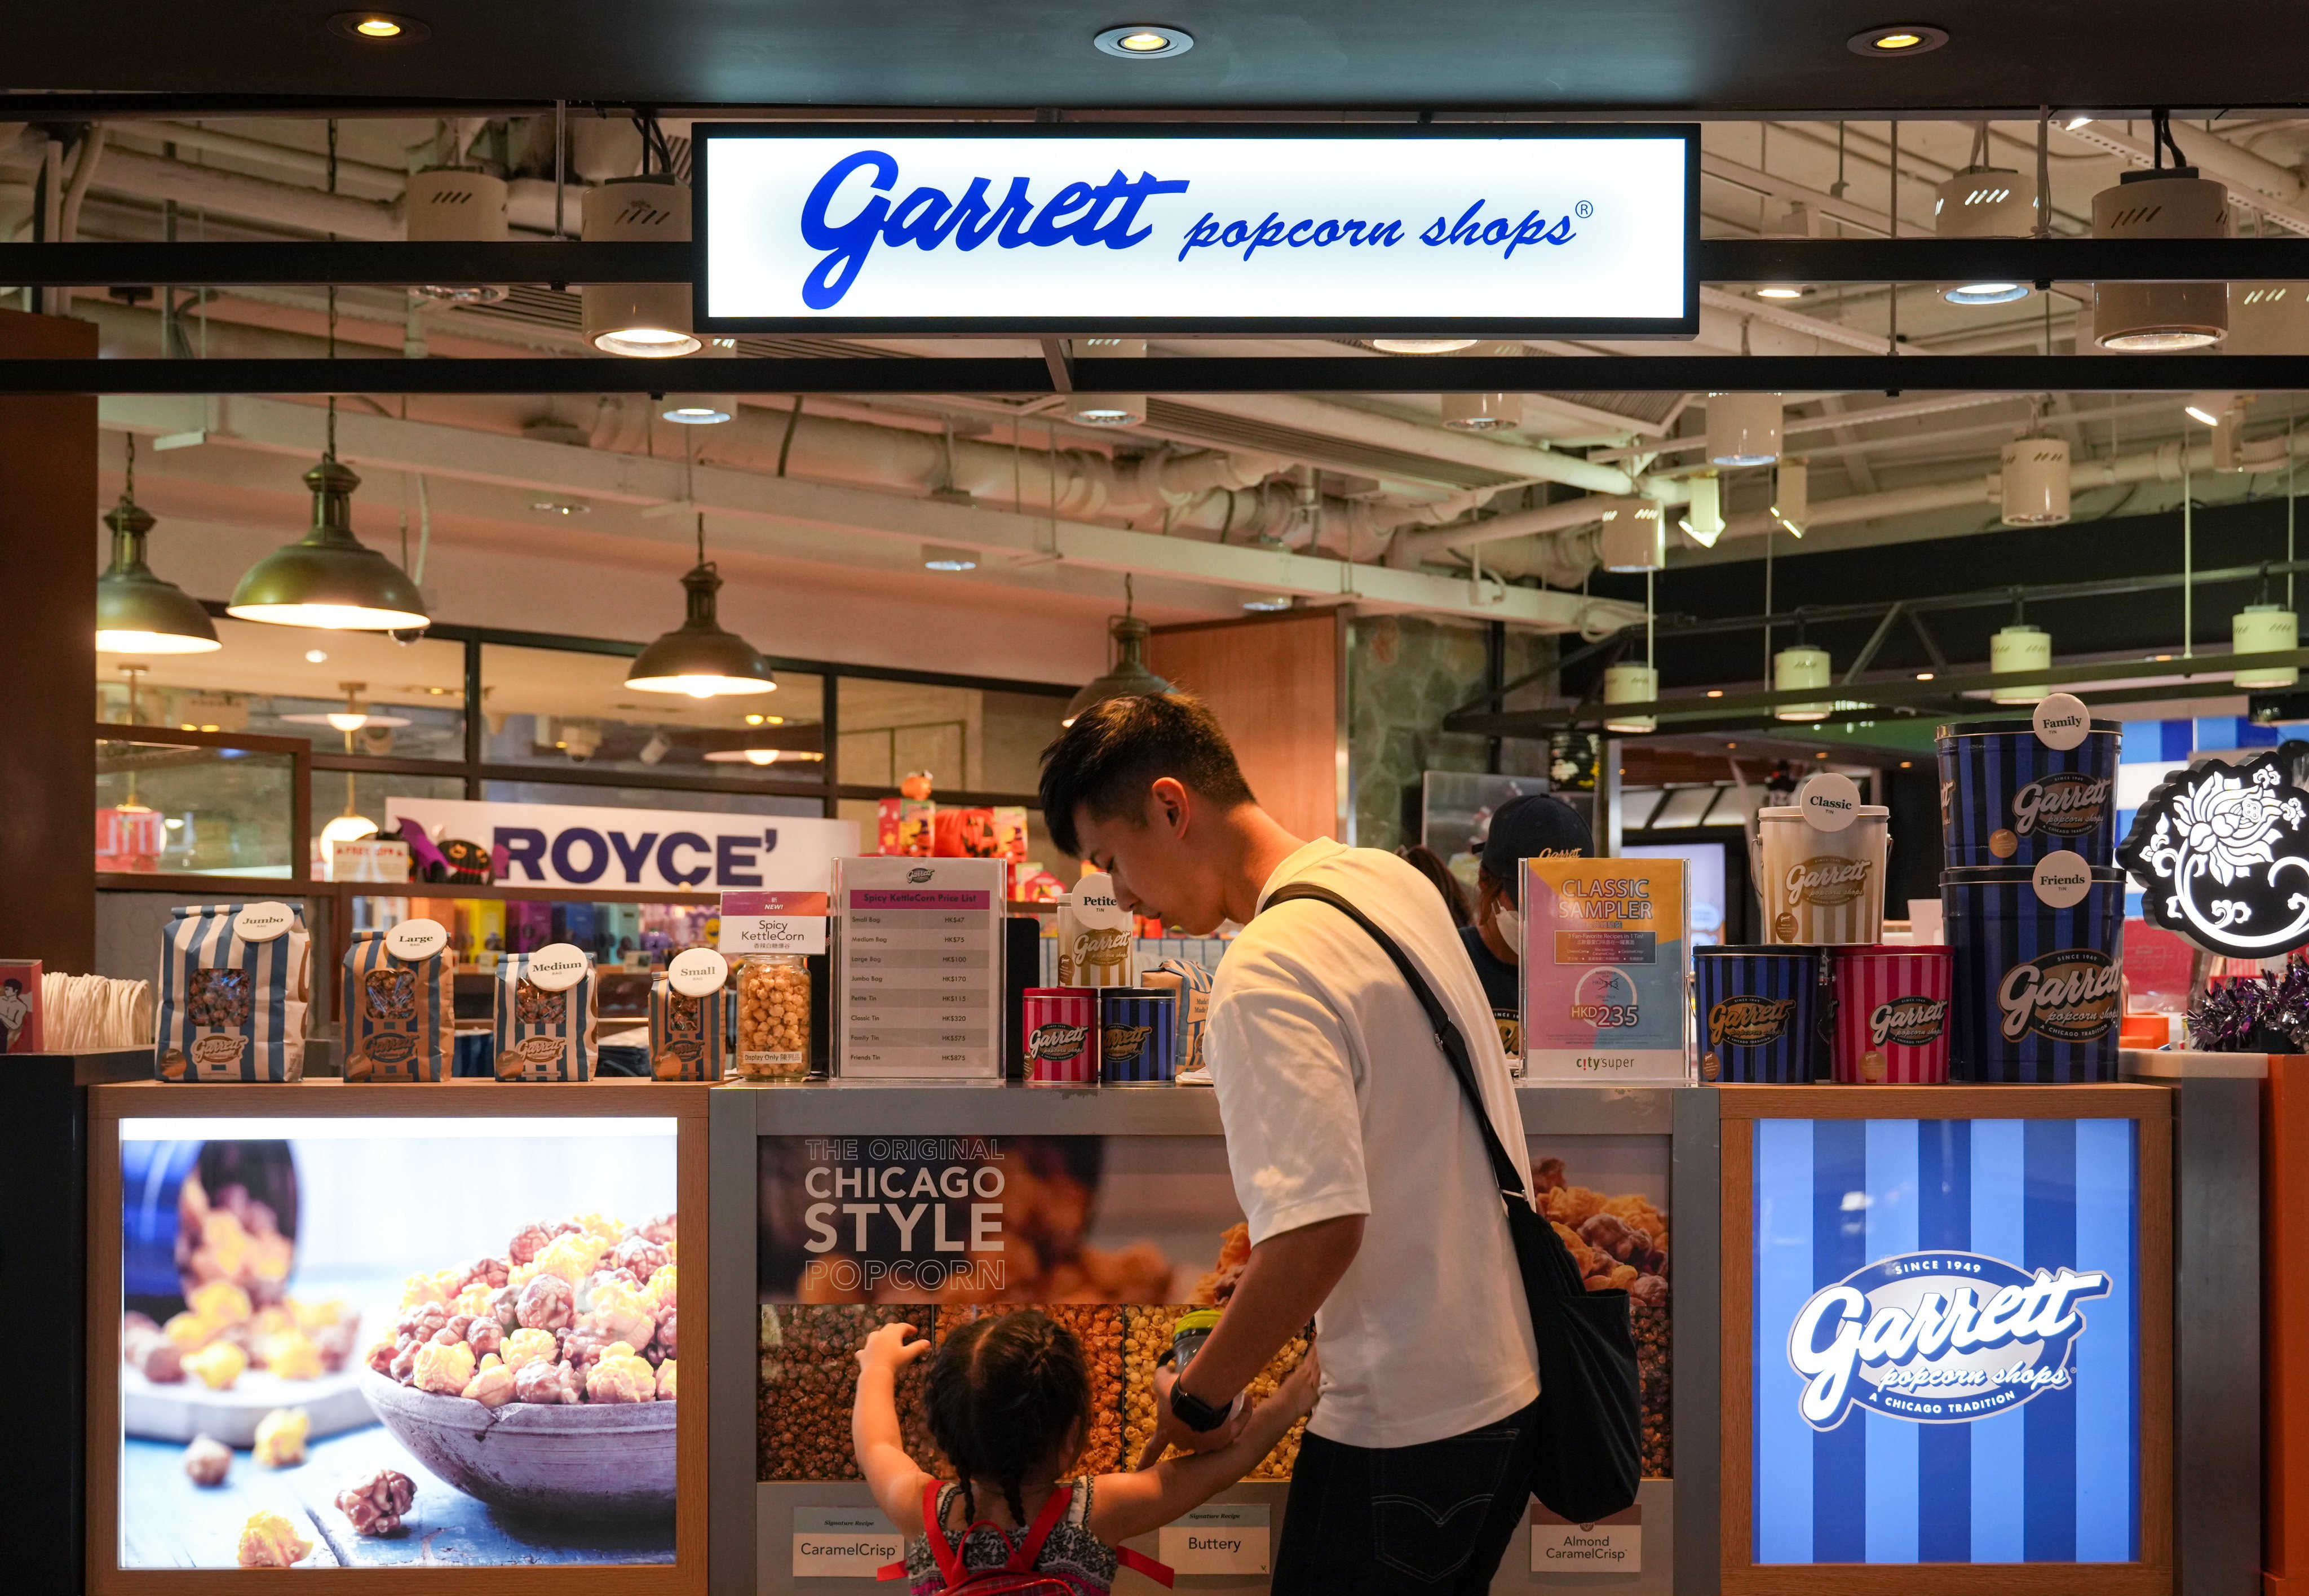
{"x": 1946, "y": 1341}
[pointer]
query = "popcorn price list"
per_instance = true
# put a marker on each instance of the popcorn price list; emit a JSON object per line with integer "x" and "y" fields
{"x": 920, "y": 971}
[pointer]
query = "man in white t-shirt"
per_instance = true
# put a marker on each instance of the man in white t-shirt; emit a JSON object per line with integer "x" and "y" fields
{"x": 1364, "y": 1174}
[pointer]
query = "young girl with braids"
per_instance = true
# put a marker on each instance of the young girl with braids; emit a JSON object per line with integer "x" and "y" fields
{"x": 1008, "y": 1402}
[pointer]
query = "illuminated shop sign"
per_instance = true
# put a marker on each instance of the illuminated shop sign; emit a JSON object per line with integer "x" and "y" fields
{"x": 2220, "y": 856}
{"x": 1407, "y": 229}
{"x": 646, "y": 850}
{"x": 1946, "y": 1341}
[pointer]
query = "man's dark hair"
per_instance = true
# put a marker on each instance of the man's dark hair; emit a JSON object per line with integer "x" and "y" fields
{"x": 1119, "y": 748}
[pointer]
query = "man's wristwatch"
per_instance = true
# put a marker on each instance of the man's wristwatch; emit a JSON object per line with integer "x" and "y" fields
{"x": 1194, "y": 1413}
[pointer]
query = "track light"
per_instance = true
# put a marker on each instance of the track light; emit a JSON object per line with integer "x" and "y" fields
{"x": 2033, "y": 487}
{"x": 457, "y": 205}
{"x": 1633, "y": 537}
{"x": 2265, "y": 628}
{"x": 1744, "y": 428}
{"x": 1629, "y": 683}
{"x": 1703, "y": 518}
{"x": 1108, "y": 410}
{"x": 1792, "y": 496}
{"x": 2020, "y": 647}
{"x": 1482, "y": 412}
{"x": 1796, "y": 667}
{"x": 704, "y": 410}
{"x": 2209, "y": 410}
{"x": 648, "y": 320}
{"x": 2161, "y": 203}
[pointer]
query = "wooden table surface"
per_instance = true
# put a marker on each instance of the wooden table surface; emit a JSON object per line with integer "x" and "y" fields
{"x": 168, "y": 1521}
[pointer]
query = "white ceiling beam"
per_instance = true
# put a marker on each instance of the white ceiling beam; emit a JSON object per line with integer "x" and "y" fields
{"x": 377, "y": 442}
{"x": 1524, "y": 462}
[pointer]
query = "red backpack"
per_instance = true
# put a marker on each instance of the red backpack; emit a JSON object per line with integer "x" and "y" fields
{"x": 1019, "y": 1576}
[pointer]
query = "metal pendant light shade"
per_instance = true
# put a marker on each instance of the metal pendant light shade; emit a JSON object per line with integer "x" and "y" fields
{"x": 329, "y": 578}
{"x": 136, "y": 612}
{"x": 698, "y": 657}
{"x": 1127, "y": 676}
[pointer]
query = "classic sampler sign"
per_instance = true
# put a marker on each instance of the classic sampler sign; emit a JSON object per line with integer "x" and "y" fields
{"x": 1503, "y": 230}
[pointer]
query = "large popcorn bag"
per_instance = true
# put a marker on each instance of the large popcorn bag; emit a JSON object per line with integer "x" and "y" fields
{"x": 544, "y": 1025}
{"x": 235, "y": 980}
{"x": 399, "y": 1003}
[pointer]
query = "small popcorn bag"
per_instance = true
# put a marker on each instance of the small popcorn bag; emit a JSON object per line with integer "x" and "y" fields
{"x": 690, "y": 1016}
{"x": 399, "y": 1000}
{"x": 544, "y": 1026}
{"x": 235, "y": 980}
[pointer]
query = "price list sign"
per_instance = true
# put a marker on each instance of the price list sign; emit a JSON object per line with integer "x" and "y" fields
{"x": 918, "y": 968}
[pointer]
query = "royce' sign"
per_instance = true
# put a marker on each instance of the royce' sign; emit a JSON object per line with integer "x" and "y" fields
{"x": 1507, "y": 229}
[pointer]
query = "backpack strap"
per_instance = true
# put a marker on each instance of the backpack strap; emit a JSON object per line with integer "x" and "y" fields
{"x": 1159, "y": 1573}
{"x": 1021, "y": 1559}
{"x": 942, "y": 1552}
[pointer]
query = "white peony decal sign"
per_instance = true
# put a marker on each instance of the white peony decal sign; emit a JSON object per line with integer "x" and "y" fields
{"x": 2220, "y": 857}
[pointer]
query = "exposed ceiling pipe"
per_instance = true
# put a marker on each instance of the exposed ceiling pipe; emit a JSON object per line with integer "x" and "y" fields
{"x": 1793, "y": 321}
{"x": 253, "y": 199}
{"x": 1756, "y": 181}
{"x": 357, "y": 176}
{"x": 1526, "y": 462}
{"x": 1410, "y": 548}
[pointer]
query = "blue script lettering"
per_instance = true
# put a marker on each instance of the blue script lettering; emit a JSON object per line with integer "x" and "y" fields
{"x": 1084, "y": 213}
{"x": 1533, "y": 229}
{"x": 1250, "y": 237}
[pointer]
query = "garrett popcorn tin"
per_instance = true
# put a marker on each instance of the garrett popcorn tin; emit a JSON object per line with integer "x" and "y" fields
{"x": 1823, "y": 886}
{"x": 1760, "y": 1012}
{"x": 1061, "y": 1025}
{"x": 1137, "y": 1037}
{"x": 2008, "y": 797}
{"x": 1891, "y": 1016}
{"x": 2036, "y": 991}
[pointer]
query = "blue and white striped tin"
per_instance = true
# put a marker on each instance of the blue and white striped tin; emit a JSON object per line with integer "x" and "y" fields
{"x": 1761, "y": 1013}
{"x": 542, "y": 1035}
{"x": 2006, "y": 798}
{"x": 2037, "y": 994}
{"x": 2052, "y": 1479}
{"x": 1137, "y": 1037}
{"x": 229, "y": 1010}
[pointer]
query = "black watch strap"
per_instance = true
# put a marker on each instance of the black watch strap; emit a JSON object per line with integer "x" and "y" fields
{"x": 1194, "y": 1413}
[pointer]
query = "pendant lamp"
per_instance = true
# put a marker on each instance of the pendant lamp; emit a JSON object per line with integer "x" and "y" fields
{"x": 136, "y": 612}
{"x": 698, "y": 657}
{"x": 329, "y": 578}
{"x": 1127, "y": 676}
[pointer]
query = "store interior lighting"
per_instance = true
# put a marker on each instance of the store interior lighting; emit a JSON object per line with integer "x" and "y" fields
{"x": 351, "y": 717}
{"x": 1422, "y": 346}
{"x": 1899, "y": 38}
{"x": 1269, "y": 605}
{"x": 136, "y": 611}
{"x": 1108, "y": 410}
{"x": 2161, "y": 203}
{"x": 330, "y": 579}
{"x": 1482, "y": 412}
{"x": 2209, "y": 410}
{"x": 2033, "y": 486}
{"x": 1703, "y": 517}
{"x": 1129, "y": 675}
{"x": 1792, "y": 496}
{"x": 1797, "y": 667}
{"x": 1985, "y": 293}
{"x": 704, "y": 409}
{"x": 1744, "y": 428}
{"x": 1144, "y": 41}
{"x": 947, "y": 556}
{"x": 698, "y": 659}
{"x": 645, "y": 320}
{"x": 1780, "y": 290}
{"x": 1628, "y": 684}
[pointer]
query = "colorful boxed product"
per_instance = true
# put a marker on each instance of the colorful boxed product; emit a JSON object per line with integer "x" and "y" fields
{"x": 2009, "y": 797}
{"x": 1891, "y": 1016}
{"x": 544, "y": 1022}
{"x": 1760, "y": 1014}
{"x": 2036, "y": 993}
{"x": 1603, "y": 969}
{"x": 235, "y": 979}
{"x": 399, "y": 1003}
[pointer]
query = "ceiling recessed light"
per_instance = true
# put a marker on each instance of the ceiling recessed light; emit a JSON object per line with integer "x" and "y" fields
{"x": 1422, "y": 346}
{"x": 1924, "y": 675}
{"x": 1715, "y": 692}
{"x": 379, "y": 26}
{"x": 316, "y": 657}
{"x": 1145, "y": 41}
{"x": 1899, "y": 38}
{"x": 942, "y": 556}
{"x": 1985, "y": 293}
{"x": 1780, "y": 290}
{"x": 1268, "y": 605}
{"x": 558, "y": 506}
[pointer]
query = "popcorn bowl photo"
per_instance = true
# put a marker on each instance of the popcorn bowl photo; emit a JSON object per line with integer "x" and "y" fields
{"x": 613, "y": 1458}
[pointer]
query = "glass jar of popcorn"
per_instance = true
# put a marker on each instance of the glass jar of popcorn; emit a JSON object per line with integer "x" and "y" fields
{"x": 773, "y": 1017}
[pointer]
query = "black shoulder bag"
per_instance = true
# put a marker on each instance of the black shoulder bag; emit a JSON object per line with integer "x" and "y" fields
{"x": 1590, "y": 1410}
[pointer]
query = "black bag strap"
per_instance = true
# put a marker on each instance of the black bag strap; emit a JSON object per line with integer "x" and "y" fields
{"x": 1504, "y": 1168}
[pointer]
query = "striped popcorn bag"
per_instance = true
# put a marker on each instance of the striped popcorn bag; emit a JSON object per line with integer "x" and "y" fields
{"x": 544, "y": 1024}
{"x": 1193, "y": 985}
{"x": 234, "y": 986}
{"x": 399, "y": 1012}
{"x": 688, "y": 1037}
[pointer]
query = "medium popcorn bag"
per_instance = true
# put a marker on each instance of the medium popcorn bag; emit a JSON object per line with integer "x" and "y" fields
{"x": 235, "y": 978}
{"x": 690, "y": 1017}
{"x": 399, "y": 1003}
{"x": 544, "y": 1024}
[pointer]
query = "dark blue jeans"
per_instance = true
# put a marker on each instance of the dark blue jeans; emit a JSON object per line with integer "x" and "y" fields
{"x": 1429, "y": 1519}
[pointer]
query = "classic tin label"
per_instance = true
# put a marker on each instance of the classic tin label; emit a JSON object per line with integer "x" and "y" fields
{"x": 1825, "y": 880}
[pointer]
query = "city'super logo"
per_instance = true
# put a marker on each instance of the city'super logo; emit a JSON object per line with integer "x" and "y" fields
{"x": 1937, "y": 1337}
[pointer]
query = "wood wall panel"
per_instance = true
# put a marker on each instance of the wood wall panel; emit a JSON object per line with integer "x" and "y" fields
{"x": 1274, "y": 682}
{"x": 47, "y": 655}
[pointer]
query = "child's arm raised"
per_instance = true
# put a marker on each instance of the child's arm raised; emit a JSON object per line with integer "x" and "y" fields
{"x": 1125, "y": 1505}
{"x": 891, "y": 1475}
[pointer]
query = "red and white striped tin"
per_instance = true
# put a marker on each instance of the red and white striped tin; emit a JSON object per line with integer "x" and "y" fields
{"x": 1061, "y": 1027}
{"x": 1891, "y": 1016}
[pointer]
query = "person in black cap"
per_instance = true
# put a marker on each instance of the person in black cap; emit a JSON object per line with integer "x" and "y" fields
{"x": 1537, "y": 826}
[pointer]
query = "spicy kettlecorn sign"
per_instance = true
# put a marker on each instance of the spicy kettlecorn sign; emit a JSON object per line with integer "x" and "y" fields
{"x": 1947, "y": 1341}
{"x": 1508, "y": 229}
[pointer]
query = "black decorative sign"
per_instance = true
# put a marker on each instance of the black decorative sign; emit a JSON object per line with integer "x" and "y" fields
{"x": 2222, "y": 857}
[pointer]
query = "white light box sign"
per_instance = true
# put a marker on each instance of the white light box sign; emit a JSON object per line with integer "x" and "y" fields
{"x": 1502, "y": 230}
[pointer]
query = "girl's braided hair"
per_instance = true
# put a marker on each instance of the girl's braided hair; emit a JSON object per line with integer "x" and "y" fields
{"x": 1003, "y": 1394}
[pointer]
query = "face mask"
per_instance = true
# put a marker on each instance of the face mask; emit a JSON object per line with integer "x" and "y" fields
{"x": 1509, "y": 924}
